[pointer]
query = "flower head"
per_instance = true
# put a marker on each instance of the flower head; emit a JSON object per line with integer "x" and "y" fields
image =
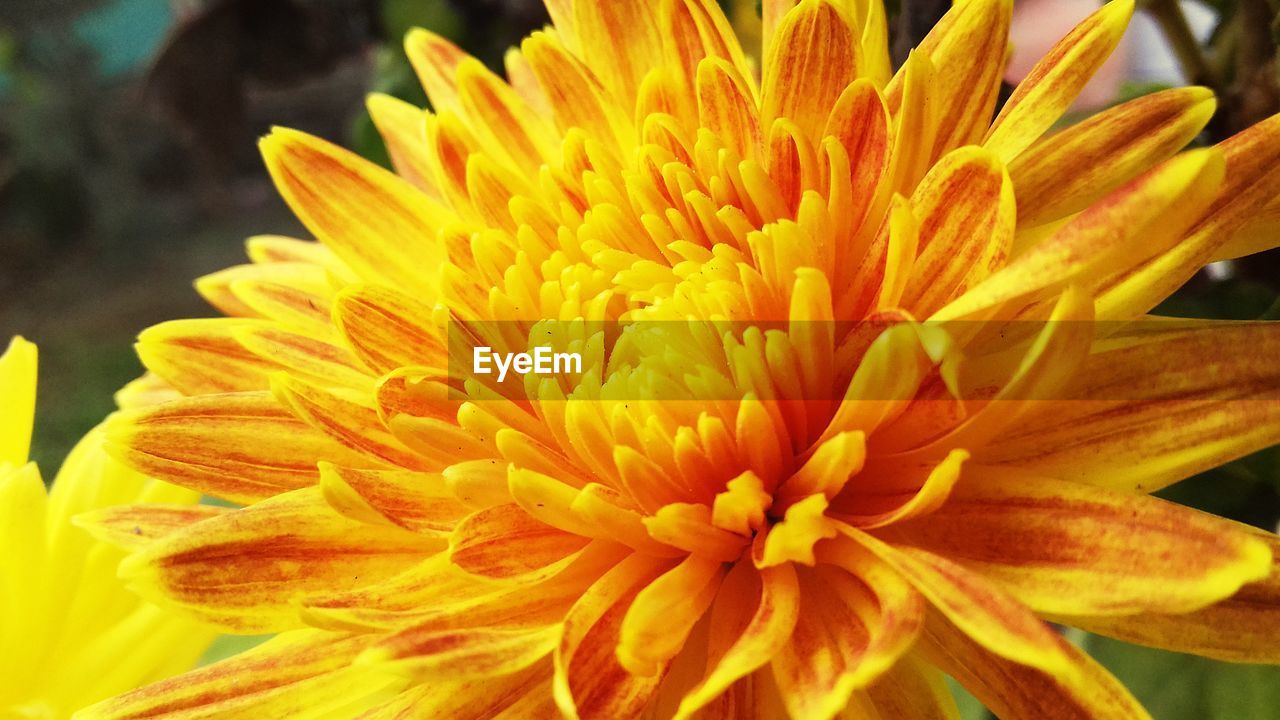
{"x": 70, "y": 633}
{"x": 871, "y": 417}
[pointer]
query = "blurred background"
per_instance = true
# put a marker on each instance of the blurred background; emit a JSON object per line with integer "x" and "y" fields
{"x": 128, "y": 167}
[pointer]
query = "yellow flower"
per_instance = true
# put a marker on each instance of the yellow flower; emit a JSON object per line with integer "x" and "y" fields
{"x": 70, "y": 633}
{"x": 821, "y": 514}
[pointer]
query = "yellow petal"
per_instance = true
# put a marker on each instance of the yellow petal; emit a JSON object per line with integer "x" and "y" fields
{"x": 726, "y": 109}
{"x": 813, "y": 57}
{"x": 1089, "y": 551}
{"x": 1082, "y": 691}
{"x": 1162, "y": 407}
{"x": 1066, "y": 172}
{"x": 750, "y": 641}
{"x": 965, "y": 207}
{"x": 461, "y": 653}
{"x": 912, "y": 688}
{"x": 590, "y": 683}
{"x": 620, "y": 42}
{"x": 980, "y": 609}
{"x": 1053, "y": 84}
{"x": 506, "y": 542}
{"x": 403, "y": 128}
{"x": 421, "y": 502}
{"x": 306, "y": 673}
{"x": 18, "y": 392}
{"x": 662, "y": 615}
{"x": 968, "y": 49}
{"x": 239, "y": 446}
{"x": 1243, "y": 628}
{"x": 1158, "y": 207}
{"x": 135, "y": 526}
{"x": 380, "y": 225}
{"x": 244, "y": 570}
{"x": 435, "y": 60}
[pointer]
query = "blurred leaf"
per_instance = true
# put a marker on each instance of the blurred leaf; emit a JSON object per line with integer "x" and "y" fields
{"x": 227, "y": 645}
{"x": 970, "y": 707}
{"x": 1244, "y": 692}
{"x": 401, "y": 16}
{"x": 1173, "y": 686}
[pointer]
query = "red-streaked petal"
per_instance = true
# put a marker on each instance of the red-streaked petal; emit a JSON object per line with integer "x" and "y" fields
{"x": 1155, "y": 411}
{"x": 1083, "y": 690}
{"x": 1053, "y": 84}
{"x": 244, "y": 570}
{"x": 1070, "y": 549}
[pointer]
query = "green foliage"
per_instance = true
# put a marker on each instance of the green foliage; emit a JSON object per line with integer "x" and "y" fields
{"x": 1173, "y": 686}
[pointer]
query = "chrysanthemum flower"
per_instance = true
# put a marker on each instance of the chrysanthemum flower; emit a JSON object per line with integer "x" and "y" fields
{"x": 734, "y": 523}
{"x": 70, "y": 633}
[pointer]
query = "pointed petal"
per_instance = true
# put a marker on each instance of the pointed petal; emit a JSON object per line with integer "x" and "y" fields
{"x": 1082, "y": 691}
{"x": 725, "y": 108}
{"x": 238, "y": 446}
{"x": 1069, "y": 549}
{"x": 813, "y": 57}
{"x": 1153, "y": 412}
{"x": 435, "y": 60}
{"x": 980, "y": 609}
{"x": 965, "y": 207}
{"x": 968, "y": 48}
{"x": 135, "y": 526}
{"x": 203, "y": 356}
{"x": 1066, "y": 172}
{"x": 381, "y": 226}
{"x": 749, "y": 641}
{"x": 1243, "y": 628}
{"x": 303, "y": 671}
{"x": 403, "y": 128}
{"x": 244, "y": 570}
{"x": 1158, "y": 207}
{"x": 18, "y": 389}
{"x": 1053, "y": 84}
